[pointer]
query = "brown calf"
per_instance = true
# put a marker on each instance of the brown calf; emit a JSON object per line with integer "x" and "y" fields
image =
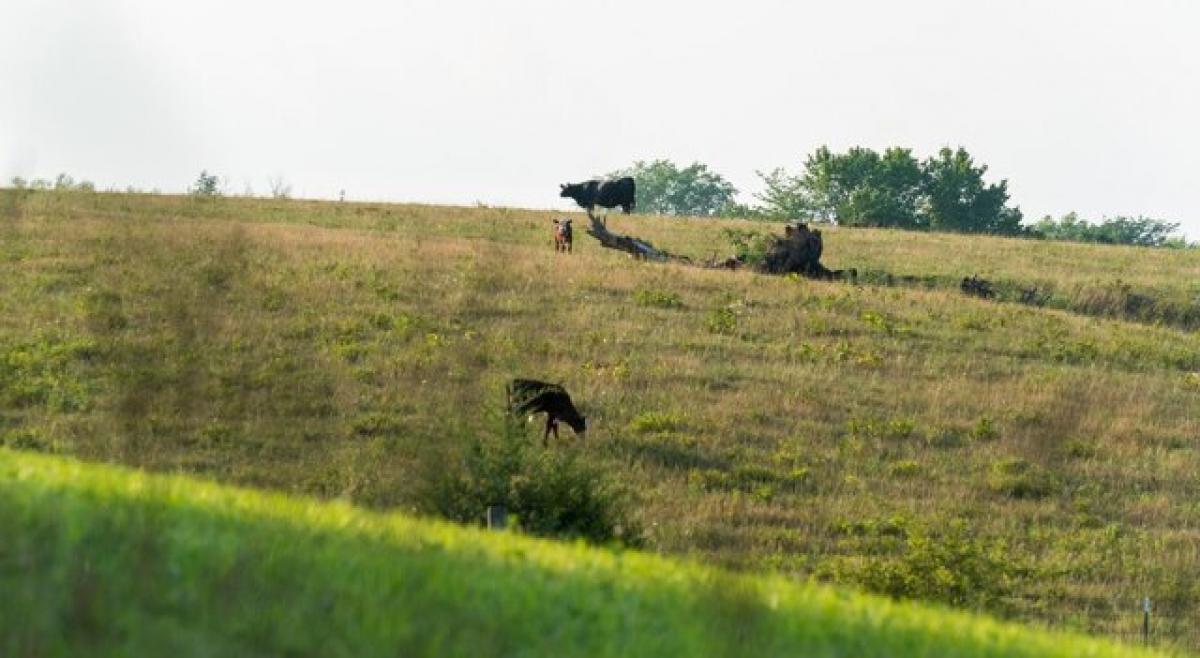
{"x": 562, "y": 235}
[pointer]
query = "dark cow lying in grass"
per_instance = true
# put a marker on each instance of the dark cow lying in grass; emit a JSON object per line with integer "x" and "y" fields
{"x": 563, "y": 236}
{"x": 606, "y": 194}
{"x": 530, "y": 396}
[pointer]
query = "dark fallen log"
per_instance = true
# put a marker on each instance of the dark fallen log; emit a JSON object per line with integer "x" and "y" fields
{"x": 977, "y": 287}
{"x": 797, "y": 252}
{"x": 630, "y": 245}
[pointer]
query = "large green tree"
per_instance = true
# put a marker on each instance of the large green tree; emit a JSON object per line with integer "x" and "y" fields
{"x": 856, "y": 188}
{"x": 666, "y": 189}
{"x": 959, "y": 200}
{"x": 864, "y": 188}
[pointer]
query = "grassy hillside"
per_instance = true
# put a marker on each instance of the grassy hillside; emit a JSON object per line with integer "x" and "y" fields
{"x": 104, "y": 561}
{"x": 1039, "y": 461}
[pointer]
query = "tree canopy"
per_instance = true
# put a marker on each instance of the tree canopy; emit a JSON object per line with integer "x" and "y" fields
{"x": 1140, "y": 231}
{"x": 864, "y": 188}
{"x": 666, "y": 189}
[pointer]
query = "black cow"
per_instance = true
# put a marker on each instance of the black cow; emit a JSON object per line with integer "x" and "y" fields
{"x": 530, "y": 396}
{"x": 606, "y": 194}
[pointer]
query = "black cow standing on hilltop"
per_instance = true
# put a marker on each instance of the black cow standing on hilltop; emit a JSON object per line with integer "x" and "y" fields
{"x": 530, "y": 396}
{"x": 606, "y": 194}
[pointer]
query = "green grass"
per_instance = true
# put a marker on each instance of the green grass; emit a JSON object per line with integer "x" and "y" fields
{"x": 102, "y": 561}
{"x": 854, "y": 434}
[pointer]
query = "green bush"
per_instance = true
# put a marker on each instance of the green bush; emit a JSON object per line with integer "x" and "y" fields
{"x": 546, "y": 493}
{"x": 649, "y": 422}
{"x": 984, "y": 429}
{"x": 750, "y": 247}
{"x": 722, "y": 320}
{"x": 1018, "y": 478}
{"x": 952, "y": 567}
{"x": 206, "y": 185}
{"x": 657, "y": 298}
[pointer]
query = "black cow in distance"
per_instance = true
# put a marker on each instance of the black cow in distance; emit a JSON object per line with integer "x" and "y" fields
{"x": 606, "y": 194}
{"x": 530, "y": 396}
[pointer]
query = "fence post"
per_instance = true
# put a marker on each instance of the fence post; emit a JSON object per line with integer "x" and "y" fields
{"x": 496, "y": 517}
{"x": 1146, "y": 620}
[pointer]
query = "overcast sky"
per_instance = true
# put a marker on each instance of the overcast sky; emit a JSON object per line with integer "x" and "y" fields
{"x": 1088, "y": 106}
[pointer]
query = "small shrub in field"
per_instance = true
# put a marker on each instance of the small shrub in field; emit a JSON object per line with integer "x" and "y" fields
{"x": 952, "y": 568}
{"x": 750, "y": 247}
{"x": 984, "y": 429}
{"x": 656, "y": 421}
{"x": 895, "y": 429}
{"x": 1080, "y": 449}
{"x": 722, "y": 321}
{"x": 657, "y": 299}
{"x": 45, "y": 372}
{"x": 547, "y": 492}
{"x": 879, "y": 322}
{"x": 905, "y": 468}
{"x": 1018, "y": 478}
{"x": 24, "y": 440}
{"x": 752, "y": 479}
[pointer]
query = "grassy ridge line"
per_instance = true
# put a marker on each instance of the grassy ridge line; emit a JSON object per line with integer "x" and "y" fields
{"x": 107, "y": 561}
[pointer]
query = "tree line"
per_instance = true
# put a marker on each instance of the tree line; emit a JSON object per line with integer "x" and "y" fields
{"x": 863, "y": 187}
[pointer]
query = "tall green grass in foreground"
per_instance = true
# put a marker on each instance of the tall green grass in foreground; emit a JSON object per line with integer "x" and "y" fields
{"x": 105, "y": 561}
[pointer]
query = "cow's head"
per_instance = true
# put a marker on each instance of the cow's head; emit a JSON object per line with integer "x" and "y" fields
{"x": 577, "y": 423}
{"x": 571, "y": 190}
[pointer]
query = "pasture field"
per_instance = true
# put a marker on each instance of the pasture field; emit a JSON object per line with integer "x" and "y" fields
{"x": 104, "y": 561}
{"x": 1041, "y": 462}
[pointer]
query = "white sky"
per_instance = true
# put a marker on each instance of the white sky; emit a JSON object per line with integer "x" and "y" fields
{"x": 1088, "y": 106}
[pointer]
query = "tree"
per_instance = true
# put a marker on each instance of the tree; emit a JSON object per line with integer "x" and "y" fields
{"x": 280, "y": 188}
{"x": 831, "y": 179}
{"x": 863, "y": 188}
{"x": 665, "y": 189}
{"x": 856, "y": 188}
{"x": 958, "y": 200}
{"x": 205, "y": 185}
{"x": 783, "y": 196}
{"x": 879, "y": 190}
{"x": 1140, "y": 231}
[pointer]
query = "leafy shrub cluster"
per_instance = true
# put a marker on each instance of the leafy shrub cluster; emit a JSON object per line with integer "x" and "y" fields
{"x": 42, "y": 372}
{"x": 62, "y": 183}
{"x": 1139, "y": 231}
{"x": 722, "y": 320}
{"x": 749, "y": 247}
{"x": 951, "y": 567}
{"x": 1018, "y": 478}
{"x": 656, "y": 421}
{"x": 657, "y": 298}
{"x": 545, "y": 492}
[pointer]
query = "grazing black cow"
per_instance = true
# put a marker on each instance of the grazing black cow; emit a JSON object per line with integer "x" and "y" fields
{"x": 606, "y": 194}
{"x": 530, "y": 396}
